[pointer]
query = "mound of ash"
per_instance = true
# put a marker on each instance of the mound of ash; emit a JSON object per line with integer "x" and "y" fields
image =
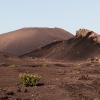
{"x": 27, "y": 39}
{"x": 85, "y": 44}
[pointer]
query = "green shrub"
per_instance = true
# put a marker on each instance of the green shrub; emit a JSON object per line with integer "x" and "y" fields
{"x": 29, "y": 80}
{"x": 44, "y": 65}
{"x": 13, "y": 65}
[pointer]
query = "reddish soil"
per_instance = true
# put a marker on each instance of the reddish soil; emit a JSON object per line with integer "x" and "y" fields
{"x": 66, "y": 73}
{"x": 59, "y": 80}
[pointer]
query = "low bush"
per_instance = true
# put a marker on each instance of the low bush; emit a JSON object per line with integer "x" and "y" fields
{"x": 13, "y": 65}
{"x": 29, "y": 80}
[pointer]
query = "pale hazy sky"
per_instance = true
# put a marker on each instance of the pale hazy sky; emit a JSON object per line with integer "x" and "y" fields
{"x": 67, "y": 14}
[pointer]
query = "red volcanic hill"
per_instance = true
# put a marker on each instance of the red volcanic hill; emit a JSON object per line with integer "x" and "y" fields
{"x": 85, "y": 44}
{"x": 25, "y": 40}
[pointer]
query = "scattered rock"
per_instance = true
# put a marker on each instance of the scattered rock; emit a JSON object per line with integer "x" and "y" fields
{"x": 84, "y": 78}
{"x": 25, "y": 90}
{"x": 19, "y": 90}
{"x": 18, "y": 99}
{"x": 3, "y": 97}
{"x": 3, "y": 64}
{"x": 94, "y": 60}
{"x": 9, "y": 92}
{"x": 27, "y": 99}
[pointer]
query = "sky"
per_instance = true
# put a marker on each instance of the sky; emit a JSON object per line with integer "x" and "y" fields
{"x": 70, "y": 15}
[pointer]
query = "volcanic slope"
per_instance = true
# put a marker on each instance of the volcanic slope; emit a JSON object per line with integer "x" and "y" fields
{"x": 28, "y": 39}
{"x": 86, "y": 44}
{"x": 6, "y": 59}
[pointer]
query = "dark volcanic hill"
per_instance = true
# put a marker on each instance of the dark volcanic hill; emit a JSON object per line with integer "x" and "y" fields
{"x": 85, "y": 44}
{"x": 28, "y": 39}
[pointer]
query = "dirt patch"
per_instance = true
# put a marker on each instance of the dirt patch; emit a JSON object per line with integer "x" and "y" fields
{"x": 59, "y": 81}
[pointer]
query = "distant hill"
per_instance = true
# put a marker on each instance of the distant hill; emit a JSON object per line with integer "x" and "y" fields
{"x": 84, "y": 45}
{"x": 24, "y": 40}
